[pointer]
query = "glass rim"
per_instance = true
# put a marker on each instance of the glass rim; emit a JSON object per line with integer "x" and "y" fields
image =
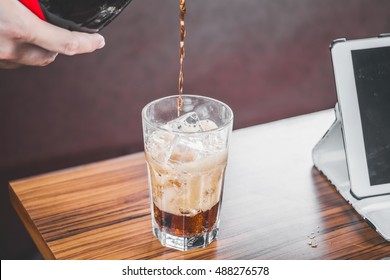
{"x": 146, "y": 119}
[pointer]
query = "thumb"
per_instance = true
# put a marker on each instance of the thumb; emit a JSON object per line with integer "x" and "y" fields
{"x": 57, "y": 39}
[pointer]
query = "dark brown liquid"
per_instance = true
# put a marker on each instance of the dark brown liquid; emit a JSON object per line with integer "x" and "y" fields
{"x": 183, "y": 11}
{"x": 186, "y": 226}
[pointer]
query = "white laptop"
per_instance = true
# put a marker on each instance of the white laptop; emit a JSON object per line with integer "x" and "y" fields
{"x": 354, "y": 153}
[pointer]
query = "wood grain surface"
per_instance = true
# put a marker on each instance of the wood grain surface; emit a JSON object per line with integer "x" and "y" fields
{"x": 276, "y": 205}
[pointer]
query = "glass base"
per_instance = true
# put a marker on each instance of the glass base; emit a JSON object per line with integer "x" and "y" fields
{"x": 185, "y": 243}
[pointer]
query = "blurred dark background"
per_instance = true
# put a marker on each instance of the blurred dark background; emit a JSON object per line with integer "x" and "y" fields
{"x": 267, "y": 59}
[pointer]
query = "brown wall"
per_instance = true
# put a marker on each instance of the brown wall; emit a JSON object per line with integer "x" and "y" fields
{"x": 268, "y": 59}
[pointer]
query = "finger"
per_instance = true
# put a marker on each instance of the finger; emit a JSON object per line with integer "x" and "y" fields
{"x": 59, "y": 40}
{"x": 62, "y": 41}
{"x": 9, "y": 65}
{"x": 32, "y": 55}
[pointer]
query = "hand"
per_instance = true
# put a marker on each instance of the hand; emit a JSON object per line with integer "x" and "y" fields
{"x": 27, "y": 40}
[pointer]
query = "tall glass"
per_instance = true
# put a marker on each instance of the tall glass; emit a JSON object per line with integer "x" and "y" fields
{"x": 186, "y": 157}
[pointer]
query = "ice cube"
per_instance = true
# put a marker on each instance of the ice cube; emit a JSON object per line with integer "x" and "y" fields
{"x": 215, "y": 141}
{"x": 186, "y": 123}
{"x": 160, "y": 145}
{"x": 207, "y": 125}
{"x": 186, "y": 149}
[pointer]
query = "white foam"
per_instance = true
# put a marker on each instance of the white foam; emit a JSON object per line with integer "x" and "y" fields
{"x": 186, "y": 169}
{"x": 188, "y": 187}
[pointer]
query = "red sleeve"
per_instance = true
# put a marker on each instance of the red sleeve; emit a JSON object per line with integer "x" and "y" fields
{"x": 35, "y": 7}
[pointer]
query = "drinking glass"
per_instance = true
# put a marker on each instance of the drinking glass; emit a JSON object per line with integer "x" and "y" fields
{"x": 186, "y": 153}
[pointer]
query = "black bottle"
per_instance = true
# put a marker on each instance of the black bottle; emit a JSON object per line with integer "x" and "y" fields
{"x": 78, "y": 15}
